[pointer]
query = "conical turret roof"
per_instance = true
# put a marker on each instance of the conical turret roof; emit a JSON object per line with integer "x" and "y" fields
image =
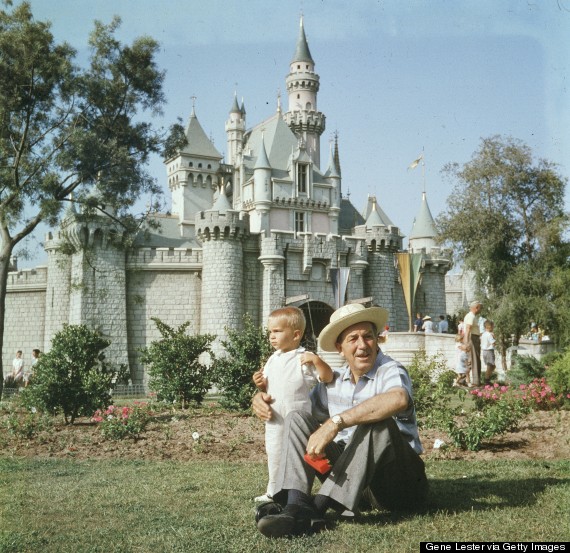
{"x": 424, "y": 224}
{"x": 262, "y": 161}
{"x": 302, "y": 52}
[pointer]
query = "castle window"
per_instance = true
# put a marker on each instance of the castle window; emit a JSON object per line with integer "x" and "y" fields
{"x": 302, "y": 178}
{"x": 209, "y": 166}
{"x": 299, "y": 221}
{"x": 191, "y": 164}
{"x": 199, "y": 166}
{"x": 298, "y": 67}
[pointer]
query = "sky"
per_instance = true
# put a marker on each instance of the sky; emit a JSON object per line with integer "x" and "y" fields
{"x": 397, "y": 78}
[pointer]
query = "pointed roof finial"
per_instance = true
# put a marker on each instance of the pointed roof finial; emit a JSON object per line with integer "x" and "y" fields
{"x": 235, "y": 106}
{"x": 193, "y": 98}
{"x": 278, "y": 100}
{"x": 302, "y": 52}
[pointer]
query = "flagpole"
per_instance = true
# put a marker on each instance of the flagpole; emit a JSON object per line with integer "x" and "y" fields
{"x": 424, "y": 168}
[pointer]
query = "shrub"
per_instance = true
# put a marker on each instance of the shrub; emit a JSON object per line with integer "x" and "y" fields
{"x": 122, "y": 422}
{"x": 72, "y": 377}
{"x": 503, "y": 415}
{"x": 175, "y": 371}
{"x": 558, "y": 375}
{"x": 27, "y": 423}
{"x": 537, "y": 395}
{"x": 525, "y": 369}
{"x": 431, "y": 389}
{"x": 246, "y": 352}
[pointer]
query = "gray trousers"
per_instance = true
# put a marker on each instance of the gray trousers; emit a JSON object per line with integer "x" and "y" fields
{"x": 377, "y": 458}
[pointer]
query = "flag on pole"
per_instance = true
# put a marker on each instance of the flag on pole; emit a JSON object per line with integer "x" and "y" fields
{"x": 416, "y": 162}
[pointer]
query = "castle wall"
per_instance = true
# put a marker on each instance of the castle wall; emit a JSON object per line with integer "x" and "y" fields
{"x": 25, "y": 315}
{"x": 57, "y": 294}
{"x": 164, "y": 283}
{"x": 430, "y": 296}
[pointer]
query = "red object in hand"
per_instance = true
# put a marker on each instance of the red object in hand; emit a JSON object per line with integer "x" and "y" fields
{"x": 321, "y": 465}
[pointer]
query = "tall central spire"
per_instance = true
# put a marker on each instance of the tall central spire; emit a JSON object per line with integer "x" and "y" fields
{"x": 302, "y": 86}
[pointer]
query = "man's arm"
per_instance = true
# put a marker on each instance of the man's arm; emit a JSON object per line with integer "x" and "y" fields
{"x": 377, "y": 408}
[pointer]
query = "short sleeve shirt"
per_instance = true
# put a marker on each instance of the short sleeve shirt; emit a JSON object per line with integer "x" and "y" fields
{"x": 473, "y": 320}
{"x": 342, "y": 394}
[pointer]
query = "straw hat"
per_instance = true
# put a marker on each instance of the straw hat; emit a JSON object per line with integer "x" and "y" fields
{"x": 349, "y": 315}
{"x": 426, "y": 318}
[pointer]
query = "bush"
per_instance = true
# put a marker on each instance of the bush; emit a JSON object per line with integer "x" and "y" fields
{"x": 72, "y": 377}
{"x": 122, "y": 422}
{"x": 503, "y": 415}
{"x": 525, "y": 369}
{"x": 431, "y": 389}
{"x": 27, "y": 423}
{"x": 175, "y": 371}
{"x": 558, "y": 375}
{"x": 247, "y": 351}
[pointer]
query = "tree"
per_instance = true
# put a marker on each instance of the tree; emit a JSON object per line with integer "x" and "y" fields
{"x": 174, "y": 366}
{"x": 66, "y": 129}
{"x": 72, "y": 377}
{"x": 246, "y": 352}
{"x": 505, "y": 219}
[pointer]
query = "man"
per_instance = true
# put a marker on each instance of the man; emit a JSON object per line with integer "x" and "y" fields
{"x": 472, "y": 338}
{"x": 369, "y": 434}
{"x": 443, "y": 324}
{"x": 18, "y": 368}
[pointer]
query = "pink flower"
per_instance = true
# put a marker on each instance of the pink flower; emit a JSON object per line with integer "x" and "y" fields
{"x": 504, "y": 389}
{"x": 495, "y": 385}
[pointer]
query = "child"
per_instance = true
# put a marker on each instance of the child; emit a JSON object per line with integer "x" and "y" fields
{"x": 288, "y": 377}
{"x": 462, "y": 369}
{"x": 488, "y": 350}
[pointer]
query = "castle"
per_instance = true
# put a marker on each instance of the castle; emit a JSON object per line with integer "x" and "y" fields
{"x": 266, "y": 227}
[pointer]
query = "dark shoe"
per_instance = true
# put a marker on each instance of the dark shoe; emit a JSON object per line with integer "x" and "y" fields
{"x": 267, "y": 508}
{"x": 293, "y": 520}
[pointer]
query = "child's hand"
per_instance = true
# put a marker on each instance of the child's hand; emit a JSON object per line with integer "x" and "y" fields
{"x": 308, "y": 358}
{"x": 259, "y": 380}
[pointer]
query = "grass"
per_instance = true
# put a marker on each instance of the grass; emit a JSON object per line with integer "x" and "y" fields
{"x": 135, "y": 506}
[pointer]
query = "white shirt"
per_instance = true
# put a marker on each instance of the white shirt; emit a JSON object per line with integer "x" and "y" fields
{"x": 487, "y": 341}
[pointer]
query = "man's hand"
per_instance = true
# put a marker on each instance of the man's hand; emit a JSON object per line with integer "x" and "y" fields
{"x": 261, "y": 406}
{"x": 319, "y": 439}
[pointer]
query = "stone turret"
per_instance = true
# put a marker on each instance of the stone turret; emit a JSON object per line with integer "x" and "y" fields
{"x": 437, "y": 261}
{"x": 222, "y": 231}
{"x": 87, "y": 281}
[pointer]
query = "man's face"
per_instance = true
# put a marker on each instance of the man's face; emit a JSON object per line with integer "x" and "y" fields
{"x": 477, "y": 309}
{"x": 357, "y": 344}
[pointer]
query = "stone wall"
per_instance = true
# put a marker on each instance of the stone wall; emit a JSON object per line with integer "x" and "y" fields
{"x": 25, "y": 315}
{"x": 174, "y": 297}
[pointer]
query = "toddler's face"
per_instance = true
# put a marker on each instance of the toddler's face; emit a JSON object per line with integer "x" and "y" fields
{"x": 283, "y": 337}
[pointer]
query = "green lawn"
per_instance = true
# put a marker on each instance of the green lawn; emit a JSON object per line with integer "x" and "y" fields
{"x": 119, "y": 506}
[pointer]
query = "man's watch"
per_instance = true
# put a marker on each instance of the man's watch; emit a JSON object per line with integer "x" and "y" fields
{"x": 338, "y": 422}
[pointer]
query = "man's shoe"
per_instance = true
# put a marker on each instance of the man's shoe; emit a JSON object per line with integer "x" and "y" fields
{"x": 293, "y": 520}
{"x": 267, "y": 508}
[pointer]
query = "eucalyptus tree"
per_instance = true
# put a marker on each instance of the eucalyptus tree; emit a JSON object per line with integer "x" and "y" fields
{"x": 505, "y": 219}
{"x": 67, "y": 129}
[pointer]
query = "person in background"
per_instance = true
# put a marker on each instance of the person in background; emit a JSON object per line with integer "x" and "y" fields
{"x": 443, "y": 324}
{"x": 418, "y": 323}
{"x": 472, "y": 338}
{"x": 428, "y": 325}
{"x": 462, "y": 364}
{"x": 18, "y": 368}
{"x": 488, "y": 350}
{"x": 29, "y": 373}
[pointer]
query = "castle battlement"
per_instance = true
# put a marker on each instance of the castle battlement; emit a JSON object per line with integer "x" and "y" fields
{"x": 222, "y": 224}
{"x": 165, "y": 258}
{"x": 28, "y": 279}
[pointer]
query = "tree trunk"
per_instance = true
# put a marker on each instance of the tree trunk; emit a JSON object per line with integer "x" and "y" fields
{"x": 5, "y": 254}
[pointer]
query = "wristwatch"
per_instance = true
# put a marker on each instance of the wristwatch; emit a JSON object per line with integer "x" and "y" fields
{"x": 337, "y": 420}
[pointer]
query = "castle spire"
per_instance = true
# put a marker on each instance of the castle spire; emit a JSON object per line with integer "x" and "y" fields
{"x": 302, "y": 52}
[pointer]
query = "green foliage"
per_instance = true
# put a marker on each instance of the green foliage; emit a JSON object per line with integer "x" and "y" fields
{"x": 431, "y": 388}
{"x": 123, "y": 422}
{"x": 469, "y": 430}
{"x": 26, "y": 423}
{"x": 525, "y": 369}
{"x": 174, "y": 367}
{"x": 516, "y": 244}
{"x": 68, "y": 129}
{"x": 247, "y": 351}
{"x": 558, "y": 375}
{"x": 72, "y": 377}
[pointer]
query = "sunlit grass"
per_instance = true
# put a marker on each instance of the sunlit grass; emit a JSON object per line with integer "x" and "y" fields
{"x": 89, "y": 506}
